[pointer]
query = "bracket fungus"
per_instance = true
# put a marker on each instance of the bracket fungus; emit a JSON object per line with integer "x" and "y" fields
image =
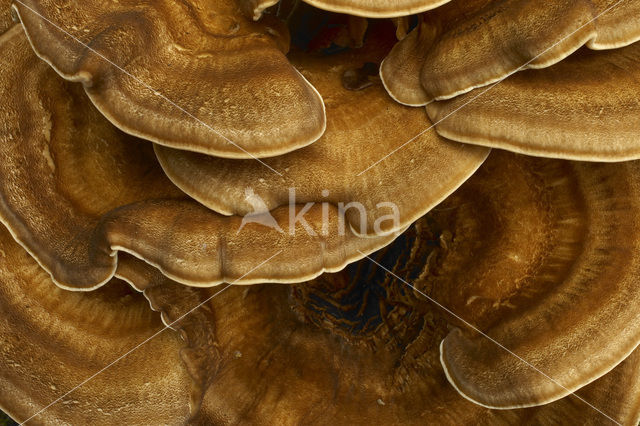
{"x": 63, "y": 166}
{"x": 55, "y": 202}
{"x": 225, "y": 340}
{"x": 586, "y": 107}
{"x": 51, "y": 340}
{"x": 468, "y": 44}
{"x": 165, "y": 164}
{"x": 184, "y": 311}
{"x": 570, "y": 259}
{"x": 234, "y": 80}
{"x": 205, "y": 249}
{"x": 335, "y": 169}
{"x": 368, "y": 327}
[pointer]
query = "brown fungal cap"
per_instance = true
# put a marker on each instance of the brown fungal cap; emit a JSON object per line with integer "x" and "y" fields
{"x": 52, "y": 340}
{"x": 584, "y": 108}
{"x": 341, "y": 167}
{"x": 185, "y": 311}
{"x": 194, "y": 75}
{"x": 246, "y": 347}
{"x": 400, "y": 70}
{"x": 195, "y": 246}
{"x": 616, "y": 25}
{"x": 287, "y": 353}
{"x": 558, "y": 243}
{"x": 469, "y": 44}
{"x": 270, "y": 330}
{"x": 63, "y": 166}
{"x": 74, "y": 190}
{"x": 377, "y": 8}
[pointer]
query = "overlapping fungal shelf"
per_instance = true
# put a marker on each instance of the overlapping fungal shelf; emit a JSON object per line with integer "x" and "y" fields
{"x": 154, "y": 157}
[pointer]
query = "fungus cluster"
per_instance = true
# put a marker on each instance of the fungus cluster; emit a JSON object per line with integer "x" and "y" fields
{"x": 450, "y": 191}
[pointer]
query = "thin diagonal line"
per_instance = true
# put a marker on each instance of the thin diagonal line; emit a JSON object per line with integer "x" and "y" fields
{"x": 490, "y": 87}
{"x": 468, "y": 324}
{"x": 147, "y": 86}
{"x": 148, "y": 339}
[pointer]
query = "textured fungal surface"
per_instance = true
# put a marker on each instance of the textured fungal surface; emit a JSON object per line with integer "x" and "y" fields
{"x": 387, "y": 333}
{"x": 76, "y": 190}
{"x": 53, "y": 339}
{"x": 358, "y": 124}
{"x": 191, "y": 74}
{"x": 63, "y": 165}
{"x": 469, "y": 44}
{"x": 313, "y": 212}
{"x": 6, "y": 20}
{"x": 579, "y": 246}
{"x": 584, "y": 108}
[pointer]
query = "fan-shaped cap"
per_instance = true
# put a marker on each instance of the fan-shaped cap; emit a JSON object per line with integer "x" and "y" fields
{"x": 195, "y": 246}
{"x": 616, "y": 24}
{"x": 558, "y": 242}
{"x": 194, "y": 75}
{"x": 341, "y": 167}
{"x": 469, "y": 44}
{"x": 287, "y": 353}
{"x": 63, "y": 166}
{"x": 73, "y": 191}
{"x": 53, "y": 340}
{"x": 400, "y": 70}
{"x": 586, "y": 108}
{"x": 152, "y": 385}
{"x": 376, "y": 8}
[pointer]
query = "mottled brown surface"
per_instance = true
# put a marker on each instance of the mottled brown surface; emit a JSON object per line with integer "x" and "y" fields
{"x": 358, "y": 345}
{"x": 6, "y": 21}
{"x": 51, "y": 340}
{"x": 195, "y": 246}
{"x": 587, "y": 107}
{"x": 521, "y": 236}
{"x": 63, "y": 166}
{"x": 468, "y": 44}
{"x": 221, "y": 77}
{"x": 558, "y": 242}
{"x": 542, "y": 255}
{"x": 364, "y": 127}
{"x": 328, "y": 350}
{"x": 74, "y": 190}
